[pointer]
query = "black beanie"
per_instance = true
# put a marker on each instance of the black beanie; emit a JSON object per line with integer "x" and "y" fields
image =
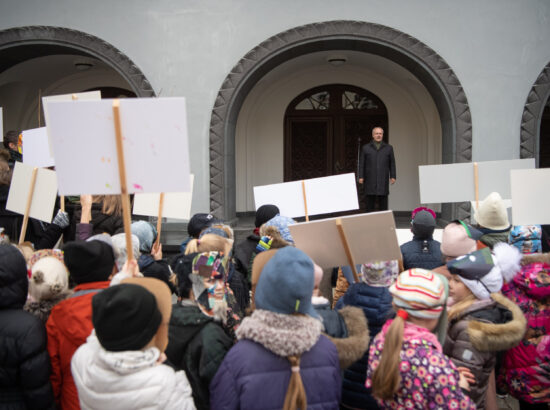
{"x": 198, "y": 222}
{"x": 264, "y": 214}
{"x": 125, "y": 317}
{"x": 423, "y": 225}
{"x": 89, "y": 261}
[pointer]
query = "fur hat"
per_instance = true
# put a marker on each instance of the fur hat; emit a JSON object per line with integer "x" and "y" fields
{"x": 89, "y": 261}
{"x": 458, "y": 239}
{"x": 146, "y": 233}
{"x": 277, "y": 228}
{"x": 379, "y": 274}
{"x": 492, "y": 213}
{"x": 119, "y": 249}
{"x": 420, "y": 292}
{"x": 484, "y": 272}
{"x": 527, "y": 238}
{"x": 49, "y": 279}
{"x": 264, "y": 213}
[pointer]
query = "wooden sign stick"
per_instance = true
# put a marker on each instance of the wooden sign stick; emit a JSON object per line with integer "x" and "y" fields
{"x": 305, "y": 199}
{"x": 159, "y": 220}
{"x": 122, "y": 176}
{"x": 62, "y": 203}
{"x": 28, "y": 206}
{"x": 347, "y": 249}
{"x": 476, "y": 184}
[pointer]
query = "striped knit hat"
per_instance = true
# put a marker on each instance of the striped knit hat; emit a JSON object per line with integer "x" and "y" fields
{"x": 420, "y": 292}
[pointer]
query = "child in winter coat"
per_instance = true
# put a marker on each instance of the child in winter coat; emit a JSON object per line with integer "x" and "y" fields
{"x": 281, "y": 360}
{"x": 407, "y": 368}
{"x": 120, "y": 365}
{"x": 423, "y": 251}
{"x": 482, "y": 322}
{"x": 526, "y": 368}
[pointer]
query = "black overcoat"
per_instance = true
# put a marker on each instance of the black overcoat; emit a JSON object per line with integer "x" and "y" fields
{"x": 376, "y": 167}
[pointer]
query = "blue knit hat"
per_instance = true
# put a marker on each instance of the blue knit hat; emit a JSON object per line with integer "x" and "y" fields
{"x": 286, "y": 283}
{"x": 146, "y": 233}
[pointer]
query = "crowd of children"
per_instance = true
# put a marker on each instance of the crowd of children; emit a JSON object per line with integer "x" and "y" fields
{"x": 227, "y": 325}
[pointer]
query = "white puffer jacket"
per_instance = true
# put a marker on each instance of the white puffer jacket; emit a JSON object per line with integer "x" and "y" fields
{"x": 127, "y": 380}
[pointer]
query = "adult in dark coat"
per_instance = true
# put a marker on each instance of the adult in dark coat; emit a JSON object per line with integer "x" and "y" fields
{"x": 24, "y": 362}
{"x": 376, "y": 171}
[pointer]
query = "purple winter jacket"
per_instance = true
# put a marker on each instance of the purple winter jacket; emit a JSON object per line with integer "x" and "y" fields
{"x": 252, "y": 377}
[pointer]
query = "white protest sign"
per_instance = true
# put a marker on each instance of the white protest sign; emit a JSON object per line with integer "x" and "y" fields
{"x": 45, "y": 192}
{"x": 530, "y": 196}
{"x": 371, "y": 237}
{"x": 455, "y": 182}
{"x": 176, "y": 205}
{"x": 405, "y": 235}
{"x": 89, "y": 95}
{"x": 154, "y": 136}
{"x": 324, "y": 195}
{"x": 1, "y": 124}
{"x": 36, "y": 152}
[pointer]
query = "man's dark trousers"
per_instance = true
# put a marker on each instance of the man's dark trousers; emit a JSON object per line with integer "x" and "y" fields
{"x": 372, "y": 200}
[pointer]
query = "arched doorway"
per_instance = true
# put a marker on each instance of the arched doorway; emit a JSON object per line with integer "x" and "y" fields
{"x": 324, "y": 128}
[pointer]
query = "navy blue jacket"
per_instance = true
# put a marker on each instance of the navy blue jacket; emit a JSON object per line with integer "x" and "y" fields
{"x": 420, "y": 253}
{"x": 376, "y": 303}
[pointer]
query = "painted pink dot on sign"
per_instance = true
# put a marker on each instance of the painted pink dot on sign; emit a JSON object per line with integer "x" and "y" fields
{"x": 138, "y": 187}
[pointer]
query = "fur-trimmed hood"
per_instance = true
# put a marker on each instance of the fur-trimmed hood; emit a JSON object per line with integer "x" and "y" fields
{"x": 352, "y": 348}
{"x": 43, "y": 308}
{"x": 273, "y": 232}
{"x": 493, "y": 337}
{"x": 536, "y": 258}
{"x": 284, "y": 335}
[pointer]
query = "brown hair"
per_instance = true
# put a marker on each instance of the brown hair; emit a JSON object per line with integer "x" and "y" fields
{"x": 208, "y": 243}
{"x": 387, "y": 378}
{"x": 5, "y": 171}
{"x": 111, "y": 204}
{"x": 296, "y": 394}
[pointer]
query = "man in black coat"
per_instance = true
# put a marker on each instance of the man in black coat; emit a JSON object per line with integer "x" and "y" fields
{"x": 376, "y": 169}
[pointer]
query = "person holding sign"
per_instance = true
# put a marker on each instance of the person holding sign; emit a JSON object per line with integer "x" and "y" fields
{"x": 376, "y": 168}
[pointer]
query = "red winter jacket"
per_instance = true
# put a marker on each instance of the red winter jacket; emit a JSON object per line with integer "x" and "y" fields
{"x": 68, "y": 326}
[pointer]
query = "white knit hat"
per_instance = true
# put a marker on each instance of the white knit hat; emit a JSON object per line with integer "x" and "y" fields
{"x": 492, "y": 213}
{"x": 49, "y": 279}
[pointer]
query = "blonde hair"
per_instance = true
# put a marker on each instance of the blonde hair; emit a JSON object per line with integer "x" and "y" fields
{"x": 295, "y": 394}
{"x": 209, "y": 243}
{"x": 111, "y": 204}
{"x": 387, "y": 378}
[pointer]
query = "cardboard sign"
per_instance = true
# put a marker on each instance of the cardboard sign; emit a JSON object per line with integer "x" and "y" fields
{"x": 89, "y": 95}
{"x": 154, "y": 136}
{"x": 371, "y": 237}
{"x": 45, "y": 192}
{"x": 323, "y": 195}
{"x": 530, "y": 196}
{"x": 176, "y": 205}
{"x": 455, "y": 182}
{"x": 36, "y": 152}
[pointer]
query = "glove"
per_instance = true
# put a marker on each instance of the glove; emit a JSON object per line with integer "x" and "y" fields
{"x": 61, "y": 219}
{"x": 264, "y": 244}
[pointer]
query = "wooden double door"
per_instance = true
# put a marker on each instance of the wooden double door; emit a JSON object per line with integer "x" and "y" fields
{"x": 325, "y": 128}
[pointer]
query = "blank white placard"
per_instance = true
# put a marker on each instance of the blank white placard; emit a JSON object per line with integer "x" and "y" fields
{"x": 371, "y": 237}
{"x": 154, "y": 134}
{"x": 336, "y": 193}
{"x": 530, "y": 196}
{"x": 455, "y": 182}
{"x": 36, "y": 151}
{"x": 45, "y": 192}
{"x": 176, "y": 205}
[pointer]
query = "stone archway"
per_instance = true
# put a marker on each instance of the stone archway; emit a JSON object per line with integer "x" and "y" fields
{"x": 412, "y": 54}
{"x": 532, "y": 115}
{"x": 45, "y": 40}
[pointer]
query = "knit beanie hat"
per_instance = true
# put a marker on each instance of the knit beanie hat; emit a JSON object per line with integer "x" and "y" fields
{"x": 492, "y": 213}
{"x": 458, "y": 239}
{"x": 125, "y": 317}
{"x": 89, "y": 261}
{"x": 527, "y": 238}
{"x": 286, "y": 283}
{"x": 379, "y": 274}
{"x": 198, "y": 222}
{"x": 423, "y": 224}
{"x": 163, "y": 297}
{"x": 420, "y": 292}
{"x": 146, "y": 233}
{"x": 264, "y": 213}
{"x": 119, "y": 249}
{"x": 281, "y": 223}
{"x": 484, "y": 272}
{"x": 49, "y": 279}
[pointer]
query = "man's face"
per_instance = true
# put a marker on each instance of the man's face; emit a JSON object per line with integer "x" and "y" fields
{"x": 377, "y": 134}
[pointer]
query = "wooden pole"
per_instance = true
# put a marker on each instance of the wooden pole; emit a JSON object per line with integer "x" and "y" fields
{"x": 476, "y": 184}
{"x": 344, "y": 240}
{"x": 126, "y": 217}
{"x": 28, "y": 206}
{"x": 62, "y": 203}
{"x": 39, "y": 105}
{"x": 305, "y": 199}
{"x": 159, "y": 220}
